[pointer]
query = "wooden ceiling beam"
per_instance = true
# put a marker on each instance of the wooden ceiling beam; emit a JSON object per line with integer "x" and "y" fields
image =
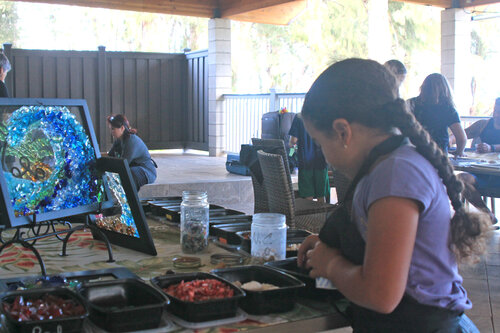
{"x": 476, "y": 3}
{"x": 235, "y": 7}
{"x": 259, "y": 11}
{"x": 280, "y": 14}
{"x": 197, "y": 8}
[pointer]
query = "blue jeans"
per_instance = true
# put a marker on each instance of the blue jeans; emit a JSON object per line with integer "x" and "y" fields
{"x": 139, "y": 177}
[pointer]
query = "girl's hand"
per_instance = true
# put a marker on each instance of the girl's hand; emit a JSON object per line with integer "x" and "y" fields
{"x": 320, "y": 258}
{"x": 308, "y": 244}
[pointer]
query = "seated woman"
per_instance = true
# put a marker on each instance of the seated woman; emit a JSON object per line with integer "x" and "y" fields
{"x": 435, "y": 110}
{"x": 487, "y": 132}
{"x": 129, "y": 146}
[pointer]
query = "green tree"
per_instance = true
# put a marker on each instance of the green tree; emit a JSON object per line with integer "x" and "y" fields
{"x": 416, "y": 41}
{"x": 485, "y": 58}
{"x": 8, "y": 20}
{"x": 290, "y": 57}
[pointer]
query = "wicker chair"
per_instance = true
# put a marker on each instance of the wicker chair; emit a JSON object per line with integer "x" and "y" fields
{"x": 341, "y": 184}
{"x": 259, "y": 197}
{"x": 274, "y": 146}
{"x": 259, "y": 191}
{"x": 300, "y": 213}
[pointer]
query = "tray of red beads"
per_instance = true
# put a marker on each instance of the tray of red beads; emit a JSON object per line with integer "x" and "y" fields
{"x": 199, "y": 297}
{"x": 50, "y": 309}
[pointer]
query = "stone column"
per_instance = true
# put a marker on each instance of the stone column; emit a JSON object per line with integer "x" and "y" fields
{"x": 379, "y": 35}
{"x": 219, "y": 81}
{"x": 456, "y": 56}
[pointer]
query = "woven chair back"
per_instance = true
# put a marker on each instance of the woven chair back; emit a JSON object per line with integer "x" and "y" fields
{"x": 276, "y": 181}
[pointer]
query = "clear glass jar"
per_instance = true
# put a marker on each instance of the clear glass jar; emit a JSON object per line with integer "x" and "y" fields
{"x": 268, "y": 236}
{"x": 194, "y": 221}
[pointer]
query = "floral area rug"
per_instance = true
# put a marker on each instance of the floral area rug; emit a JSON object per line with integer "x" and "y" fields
{"x": 85, "y": 253}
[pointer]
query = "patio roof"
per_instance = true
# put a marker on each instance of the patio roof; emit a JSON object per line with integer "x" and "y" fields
{"x": 259, "y": 11}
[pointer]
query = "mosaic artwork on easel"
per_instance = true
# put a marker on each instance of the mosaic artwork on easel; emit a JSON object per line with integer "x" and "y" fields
{"x": 122, "y": 222}
{"x": 48, "y": 155}
{"x": 126, "y": 225}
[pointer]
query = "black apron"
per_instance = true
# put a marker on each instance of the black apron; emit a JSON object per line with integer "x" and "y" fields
{"x": 342, "y": 233}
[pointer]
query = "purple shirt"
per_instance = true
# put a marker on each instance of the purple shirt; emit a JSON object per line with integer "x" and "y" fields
{"x": 433, "y": 278}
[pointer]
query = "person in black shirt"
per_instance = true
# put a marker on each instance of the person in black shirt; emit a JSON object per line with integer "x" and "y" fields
{"x": 486, "y": 133}
{"x": 4, "y": 69}
{"x": 435, "y": 110}
{"x": 313, "y": 171}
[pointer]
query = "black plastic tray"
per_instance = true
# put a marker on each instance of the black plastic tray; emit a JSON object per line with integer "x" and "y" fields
{"x": 289, "y": 266}
{"x": 70, "y": 324}
{"x": 173, "y": 211}
{"x": 230, "y": 219}
{"x": 293, "y": 236}
{"x": 204, "y": 310}
{"x": 267, "y": 301}
{"x": 156, "y": 203}
{"x": 227, "y": 232}
{"x": 80, "y": 276}
{"x": 124, "y": 305}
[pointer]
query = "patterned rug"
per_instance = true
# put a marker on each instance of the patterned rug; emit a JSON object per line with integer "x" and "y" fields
{"x": 85, "y": 253}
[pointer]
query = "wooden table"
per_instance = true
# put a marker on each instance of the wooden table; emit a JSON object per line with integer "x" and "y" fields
{"x": 488, "y": 164}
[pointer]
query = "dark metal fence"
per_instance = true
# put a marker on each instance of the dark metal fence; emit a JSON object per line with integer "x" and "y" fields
{"x": 164, "y": 96}
{"x": 197, "y": 100}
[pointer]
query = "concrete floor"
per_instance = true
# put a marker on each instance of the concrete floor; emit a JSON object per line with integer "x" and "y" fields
{"x": 178, "y": 171}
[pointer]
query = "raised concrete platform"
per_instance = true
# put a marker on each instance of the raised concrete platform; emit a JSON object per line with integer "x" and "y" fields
{"x": 179, "y": 171}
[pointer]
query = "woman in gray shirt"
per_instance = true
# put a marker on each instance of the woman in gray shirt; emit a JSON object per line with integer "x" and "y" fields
{"x": 129, "y": 146}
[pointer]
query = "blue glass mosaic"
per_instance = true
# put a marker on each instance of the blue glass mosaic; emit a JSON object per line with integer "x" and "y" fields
{"x": 48, "y": 160}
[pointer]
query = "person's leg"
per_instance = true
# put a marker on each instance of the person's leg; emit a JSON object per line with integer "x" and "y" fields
{"x": 306, "y": 184}
{"x": 321, "y": 185}
{"x": 139, "y": 177}
{"x": 472, "y": 194}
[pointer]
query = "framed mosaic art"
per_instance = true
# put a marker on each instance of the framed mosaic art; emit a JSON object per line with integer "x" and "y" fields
{"x": 48, "y": 153}
{"x": 125, "y": 224}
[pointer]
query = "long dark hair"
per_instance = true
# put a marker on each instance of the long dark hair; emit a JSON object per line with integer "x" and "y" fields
{"x": 119, "y": 120}
{"x": 436, "y": 90}
{"x": 363, "y": 91}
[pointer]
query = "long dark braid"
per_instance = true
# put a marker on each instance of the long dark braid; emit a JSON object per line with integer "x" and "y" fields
{"x": 468, "y": 230}
{"x": 363, "y": 91}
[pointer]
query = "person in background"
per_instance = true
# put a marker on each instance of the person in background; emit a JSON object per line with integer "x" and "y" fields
{"x": 392, "y": 247}
{"x": 398, "y": 69}
{"x": 4, "y": 69}
{"x": 129, "y": 146}
{"x": 435, "y": 110}
{"x": 486, "y": 133}
{"x": 313, "y": 171}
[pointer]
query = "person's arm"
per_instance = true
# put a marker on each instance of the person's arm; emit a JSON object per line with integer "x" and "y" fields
{"x": 474, "y": 130}
{"x": 293, "y": 141}
{"x": 460, "y": 138}
{"x": 378, "y": 284}
{"x": 483, "y": 147}
{"x": 114, "y": 148}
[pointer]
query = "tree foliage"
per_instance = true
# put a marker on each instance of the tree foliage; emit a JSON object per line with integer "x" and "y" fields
{"x": 290, "y": 57}
{"x": 8, "y": 22}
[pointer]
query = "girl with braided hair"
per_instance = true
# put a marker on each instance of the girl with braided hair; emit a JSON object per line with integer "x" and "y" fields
{"x": 391, "y": 248}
